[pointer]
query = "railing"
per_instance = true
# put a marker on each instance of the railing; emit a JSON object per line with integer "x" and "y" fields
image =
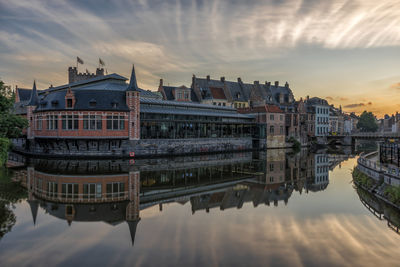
{"x": 377, "y": 135}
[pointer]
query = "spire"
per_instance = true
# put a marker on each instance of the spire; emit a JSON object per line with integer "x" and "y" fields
{"x": 34, "y": 209}
{"x": 34, "y": 101}
{"x": 132, "y": 82}
{"x": 132, "y": 229}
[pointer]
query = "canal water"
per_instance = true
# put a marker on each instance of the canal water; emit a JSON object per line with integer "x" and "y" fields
{"x": 275, "y": 208}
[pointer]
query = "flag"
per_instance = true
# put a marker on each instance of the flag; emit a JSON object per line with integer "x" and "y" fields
{"x": 79, "y": 60}
{"x": 101, "y": 62}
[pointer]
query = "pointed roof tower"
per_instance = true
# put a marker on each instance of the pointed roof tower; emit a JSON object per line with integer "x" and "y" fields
{"x": 132, "y": 229}
{"x": 34, "y": 101}
{"x": 132, "y": 82}
{"x": 34, "y": 205}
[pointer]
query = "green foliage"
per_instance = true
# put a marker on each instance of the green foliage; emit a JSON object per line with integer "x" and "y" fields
{"x": 362, "y": 179}
{"x": 4, "y": 146}
{"x": 11, "y": 125}
{"x": 393, "y": 194}
{"x": 296, "y": 144}
{"x": 10, "y": 193}
{"x": 367, "y": 122}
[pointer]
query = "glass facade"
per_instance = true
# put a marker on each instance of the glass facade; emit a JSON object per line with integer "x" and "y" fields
{"x": 167, "y": 126}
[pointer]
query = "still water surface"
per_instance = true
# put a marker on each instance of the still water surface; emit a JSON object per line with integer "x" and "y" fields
{"x": 248, "y": 209}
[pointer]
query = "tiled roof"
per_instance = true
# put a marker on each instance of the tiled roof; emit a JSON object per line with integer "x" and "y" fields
{"x": 217, "y": 93}
{"x": 261, "y": 109}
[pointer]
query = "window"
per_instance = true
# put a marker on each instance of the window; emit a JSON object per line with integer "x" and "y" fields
{"x": 69, "y": 190}
{"x": 271, "y": 167}
{"x": 180, "y": 95}
{"x": 52, "y": 189}
{"x": 70, "y": 122}
{"x": 281, "y": 117}
{"x": 186, "y": 95}
{"x": 69, "y": 103}
{"x": 115, "y": 189}
{"x": 52, "y": 122}
{"x": 224, "y": 104}
{"x": 271, "y": 179}
{"x": 115, "y": 122}
{"x": 91, "y": 191}
{"x": 271, "y": 129}
{"x": 39, "y": 123}
{"x": 271, "y": 117}
{"x": 92, "y": 122}
{"x": 281, "y": 130}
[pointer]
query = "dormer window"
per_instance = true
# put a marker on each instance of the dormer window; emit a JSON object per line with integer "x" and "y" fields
{"x": 54, "y": 103}
{"x": 114, "y": 104}
{"x": 92, "y": 103}
{"x": 69, "y": 103}
{"x": 237, "y": 95}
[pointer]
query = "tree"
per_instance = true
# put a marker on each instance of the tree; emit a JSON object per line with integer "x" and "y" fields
{"x": 367, "y": 122}
{"x": 11, "y": 125}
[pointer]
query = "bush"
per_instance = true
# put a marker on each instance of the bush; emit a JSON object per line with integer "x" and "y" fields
{"x": 393, "y": 194}
{"x": 362, "y": 179}
{"x": 4, "y": 146}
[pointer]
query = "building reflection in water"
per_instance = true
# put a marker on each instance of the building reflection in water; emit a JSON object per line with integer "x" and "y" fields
{"x": 115, "y": 191}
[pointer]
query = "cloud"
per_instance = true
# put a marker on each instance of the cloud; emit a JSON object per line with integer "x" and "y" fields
{"x": 336, "y": 98}
{"x": 356, "y": 105}
{"x": 395, "y": 86}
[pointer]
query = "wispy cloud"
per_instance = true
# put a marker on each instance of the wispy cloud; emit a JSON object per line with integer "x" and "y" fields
{"x": 260, "y": 40}
{"x": 357, "y": 105}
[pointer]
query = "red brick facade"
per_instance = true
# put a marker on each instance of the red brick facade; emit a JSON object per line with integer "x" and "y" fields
{"x": 133, "y": 102}
{"x": 43, "y": 131}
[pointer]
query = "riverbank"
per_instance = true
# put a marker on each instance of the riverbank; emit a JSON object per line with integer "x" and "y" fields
{"x": 372, "y": 176}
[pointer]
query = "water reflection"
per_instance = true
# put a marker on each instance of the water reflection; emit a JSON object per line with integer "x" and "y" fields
{"x": 380, "y": 209}
{"x": 274, "y": 208}
{"x": 117, "y": 191}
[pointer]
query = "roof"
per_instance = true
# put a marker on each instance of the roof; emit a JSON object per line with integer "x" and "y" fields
{"x": 132, "y": 82}
{"x": 317, "y": 101}
{"x": 262, "y": 109}
{"x": 24, "y": 94}
{"x": 185, "y": 104}
{"x": 168, "y": 92}
{"x": 217, "y": 93}
{"x": 273, "y": 109}
{"x": 236, "y": 91}
{"x": 102, "y": 99}
{"x": 34, "y": 96}
{"x": 115, "y": 78}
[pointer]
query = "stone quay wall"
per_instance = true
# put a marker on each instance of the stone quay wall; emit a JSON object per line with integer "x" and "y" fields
{"x": 123, "y": 147}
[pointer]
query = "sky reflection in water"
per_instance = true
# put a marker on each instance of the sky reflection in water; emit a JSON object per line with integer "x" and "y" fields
{"x": 329, "y": 227}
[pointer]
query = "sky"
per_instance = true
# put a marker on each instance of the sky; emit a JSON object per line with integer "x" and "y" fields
{"x": 347, "y": 51}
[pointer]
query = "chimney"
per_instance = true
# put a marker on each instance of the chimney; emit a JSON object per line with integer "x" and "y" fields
{"x": 239, "y": 80}
{"x": 256, "y": 82}
{"x": 161, "y": 82}
{"x": 208, "y": 78}
{"x": 287, "y": 85}
{"x": 223, "y": 79}
{"x": 308, "y": 98}
{"x": 276, "y": 83}
{"x": 269, "y": 84}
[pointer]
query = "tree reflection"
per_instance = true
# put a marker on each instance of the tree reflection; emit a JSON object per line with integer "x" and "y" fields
{"x": 10, "y": 193}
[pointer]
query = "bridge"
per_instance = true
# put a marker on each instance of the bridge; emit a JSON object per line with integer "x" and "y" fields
{"x": 350, "y": 139}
